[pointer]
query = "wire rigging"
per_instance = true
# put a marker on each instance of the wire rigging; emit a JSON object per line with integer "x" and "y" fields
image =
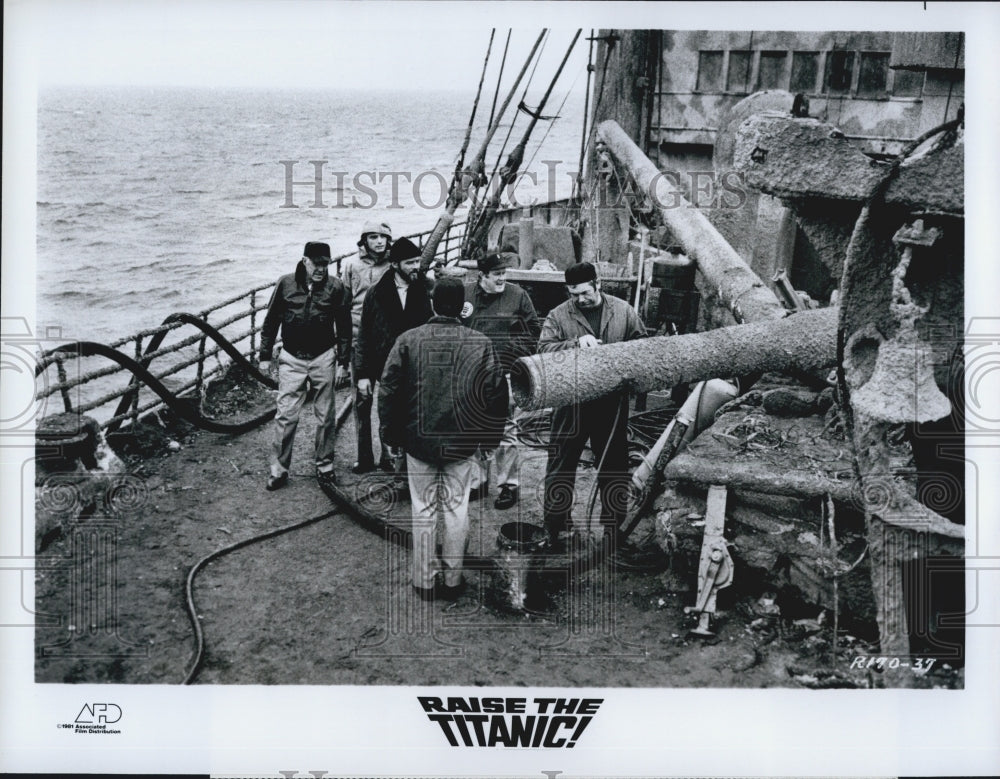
{"x": 496, "y": 93}
{"x": 516, "y": 157}
{"x": 578, "y": 184}
{"x": 552, "y": 122}
{"x": 475, "y": 107}
{"x": 488, "y": 183}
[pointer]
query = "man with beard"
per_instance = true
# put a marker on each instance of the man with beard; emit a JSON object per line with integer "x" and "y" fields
{"x": 503, "y": 312}
{"x": 399, "y": 301}
{"x": 442, "y": 396}
{"x": 313, "y": 311}
{"x": 586, "y": 321}
{"x": 359, "y": 274}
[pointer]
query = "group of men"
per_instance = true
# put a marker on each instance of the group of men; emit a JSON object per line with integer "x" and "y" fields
{"x": 440, "y": 353}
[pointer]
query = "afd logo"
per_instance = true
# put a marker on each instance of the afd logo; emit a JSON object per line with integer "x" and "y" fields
{"x": 99, "y": 714}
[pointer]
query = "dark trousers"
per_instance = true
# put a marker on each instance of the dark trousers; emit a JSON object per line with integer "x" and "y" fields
{"x": 600, "y": 423}
{"x": 363, "y": 423}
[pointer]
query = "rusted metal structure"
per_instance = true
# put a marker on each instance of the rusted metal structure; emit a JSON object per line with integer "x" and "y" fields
{"x": 676, "y": 94}
{"x": 851, "y": 157}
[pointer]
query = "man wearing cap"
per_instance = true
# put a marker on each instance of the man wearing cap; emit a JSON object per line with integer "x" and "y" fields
{"x": 505, "y": 314}
{"x": 397, "y": 302}
{"x": 442, "y": 396}
{"x": 586, "y": 321}
{"x": 359, "y": 274}
{"x": 313, "y": 311}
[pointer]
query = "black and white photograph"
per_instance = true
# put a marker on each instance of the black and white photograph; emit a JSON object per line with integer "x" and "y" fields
{"x": 522, "y": 389}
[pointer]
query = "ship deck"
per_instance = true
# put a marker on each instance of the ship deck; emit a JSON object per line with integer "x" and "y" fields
{"x": 330, "y": 602}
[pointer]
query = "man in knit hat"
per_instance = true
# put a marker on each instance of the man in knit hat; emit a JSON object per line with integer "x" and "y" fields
{"x": 359, "y": 274}
{"x": 399, "y": 301}
{"x": 313, "y": 312}
{"x": 503, "y": 312}
{"x": 588, "y": 320}
{"x": 442, "y": 397}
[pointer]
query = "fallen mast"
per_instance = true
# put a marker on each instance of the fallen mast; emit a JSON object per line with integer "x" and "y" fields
{"x": 806, "y": 341}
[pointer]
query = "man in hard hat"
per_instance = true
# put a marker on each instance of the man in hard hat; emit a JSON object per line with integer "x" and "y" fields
{"x": 313, "y": 311}
{"x": 359, "y": 274}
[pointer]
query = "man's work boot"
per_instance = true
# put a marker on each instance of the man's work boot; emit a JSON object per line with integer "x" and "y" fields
{"x": 276, "y": 482}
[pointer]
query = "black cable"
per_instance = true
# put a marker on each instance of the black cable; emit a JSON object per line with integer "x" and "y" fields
{"x": 623, "y": 404}
{"x": 189, "y": 586}
{"x": 211, "y": 332}
{"x": 182, "y": 409}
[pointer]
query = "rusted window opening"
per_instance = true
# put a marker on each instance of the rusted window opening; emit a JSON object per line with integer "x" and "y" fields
{"x": 709, "y": 71}
{"x": 839, "y": 71}
{"x": 805, "y": 71}
{"x": 873, "y": 74}
{"x": 738, "y": 77}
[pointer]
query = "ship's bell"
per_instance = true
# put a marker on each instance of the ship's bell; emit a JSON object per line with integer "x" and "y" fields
{"x": 902, "y": 386}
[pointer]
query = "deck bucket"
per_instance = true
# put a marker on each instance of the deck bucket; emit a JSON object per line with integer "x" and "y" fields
{"x": 518, "y": 544}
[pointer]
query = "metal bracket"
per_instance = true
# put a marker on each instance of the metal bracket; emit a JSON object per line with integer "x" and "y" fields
{"x": 789, "y": 296}
{"x": 916, "y": 235}
{"x": 715, "y": 570}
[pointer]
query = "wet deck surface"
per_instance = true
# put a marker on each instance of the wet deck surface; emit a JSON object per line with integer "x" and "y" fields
{"x": 331, "y": 602}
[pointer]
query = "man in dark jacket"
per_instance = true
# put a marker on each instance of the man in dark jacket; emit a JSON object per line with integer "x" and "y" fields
{"x": 398, "y": 302}
{"x": 503, "y": 312}
{"x": 585, "y": 321}
{"x": 313, "y": 311}
{"x": 442, "y": 396}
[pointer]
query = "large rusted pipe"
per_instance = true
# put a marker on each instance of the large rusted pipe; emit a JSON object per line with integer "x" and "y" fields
{"x": 725, "y": 271}
{"x": 805, "y": 341}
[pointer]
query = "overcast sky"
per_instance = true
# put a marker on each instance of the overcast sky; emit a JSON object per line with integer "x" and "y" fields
{"x": 353, "y": 44}
{"x": 313, "y": 44}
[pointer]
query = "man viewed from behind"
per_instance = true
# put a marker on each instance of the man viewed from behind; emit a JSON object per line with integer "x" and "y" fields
{"x": 313, "y": 311}
{"x": 442, "y": 396}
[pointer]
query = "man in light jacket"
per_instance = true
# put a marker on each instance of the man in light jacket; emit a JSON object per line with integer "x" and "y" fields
{"x": 359, "y": 274}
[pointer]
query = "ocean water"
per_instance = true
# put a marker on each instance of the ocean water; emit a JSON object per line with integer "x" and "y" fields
{"x": 153, "y": 201}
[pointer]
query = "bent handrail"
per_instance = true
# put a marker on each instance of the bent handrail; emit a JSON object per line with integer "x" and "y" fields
{"x": 183, "y": 410}
{"x": 212, "y": 333}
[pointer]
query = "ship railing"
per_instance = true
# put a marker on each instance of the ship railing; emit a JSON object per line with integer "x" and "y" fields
{"x": 92, "y": 386}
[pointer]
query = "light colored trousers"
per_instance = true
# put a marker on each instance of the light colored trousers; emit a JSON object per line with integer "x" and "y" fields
{"x": 292, "y": 376}
{"x": 507, "y": 458}
{"x": 439, "y": 491}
